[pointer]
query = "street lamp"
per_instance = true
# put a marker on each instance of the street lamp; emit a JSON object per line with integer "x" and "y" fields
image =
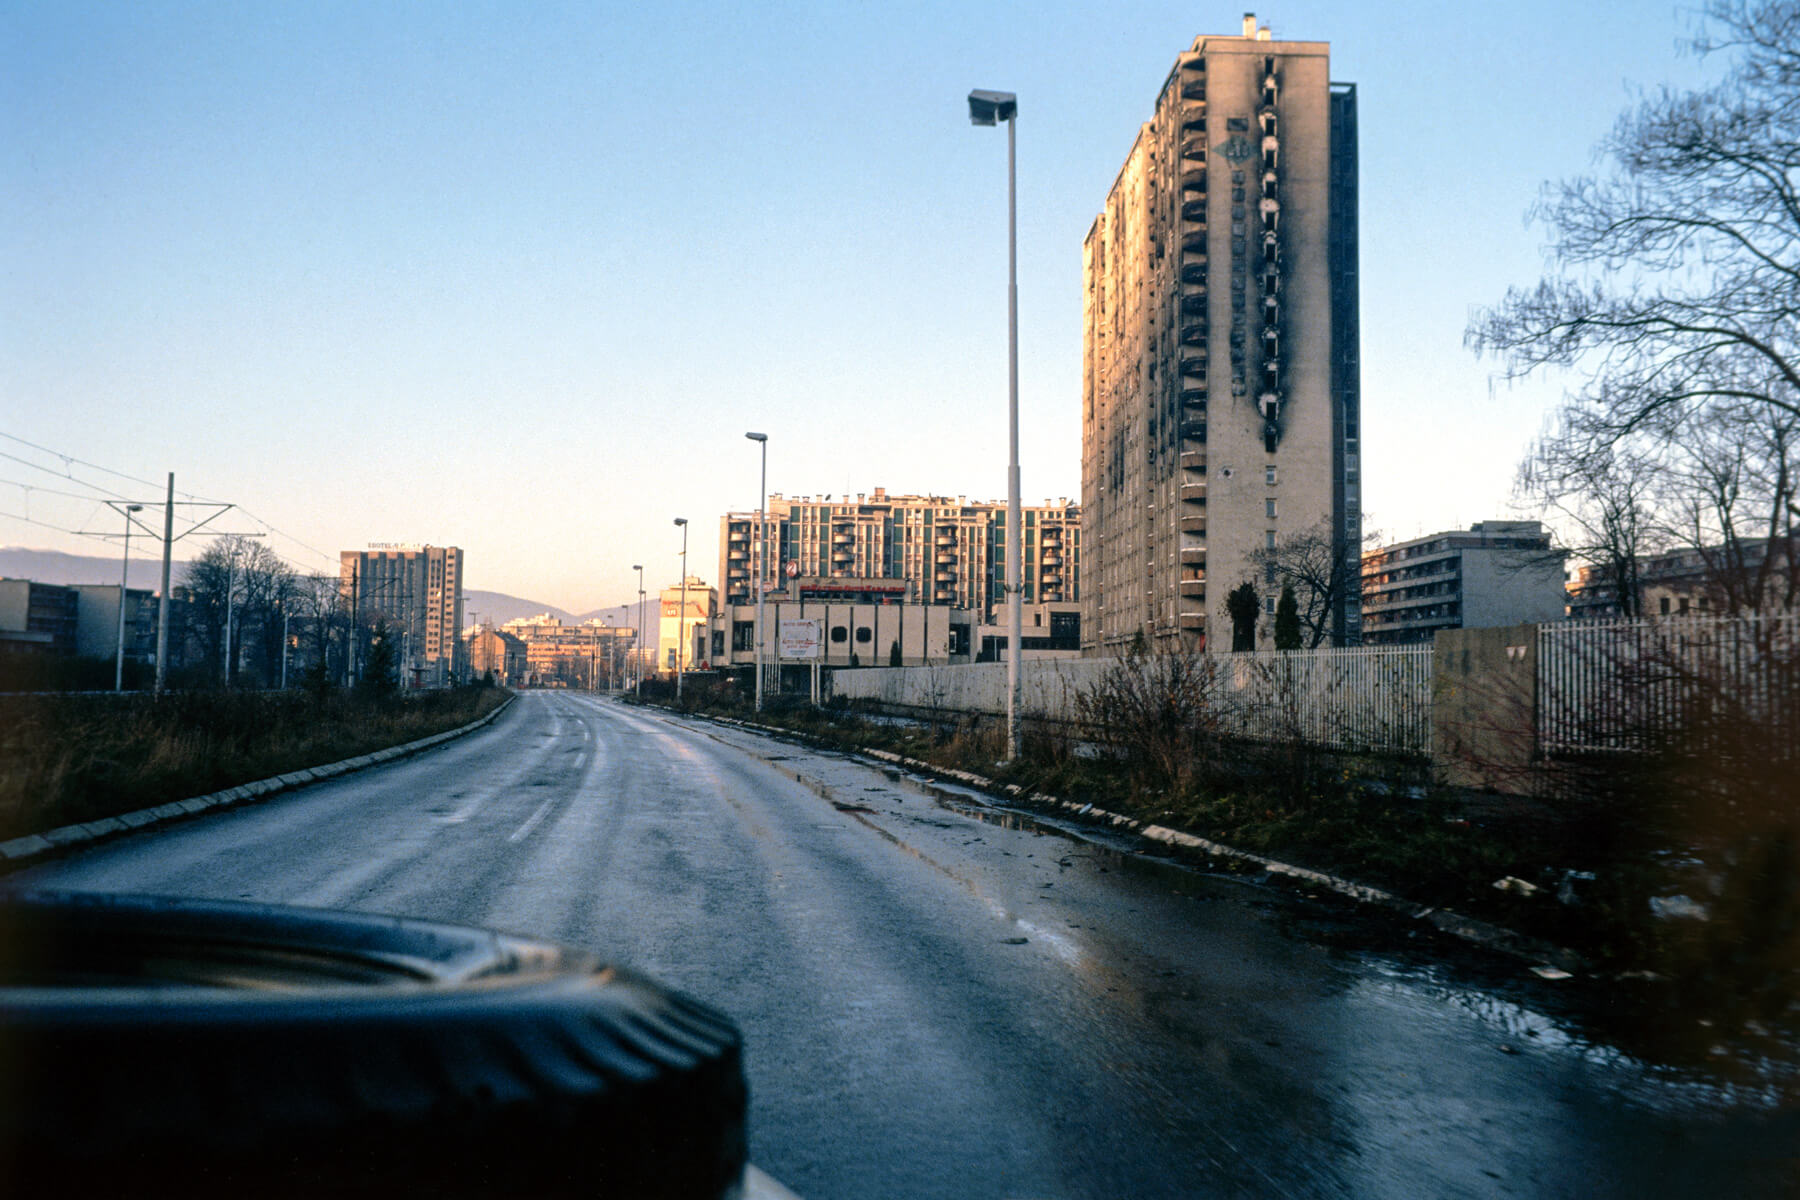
{"x": 681, "y": 616}
{"x": 762, "y": 557}
{"x": 990, "y": 108}
{"x": 638, "y": 676}
{"x": 124, "y": 580}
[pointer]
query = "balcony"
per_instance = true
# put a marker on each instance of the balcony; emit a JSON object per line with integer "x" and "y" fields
{"x": 1194, "y": 212}
{"x": 1195, "y": 525}
{"x": 1052, "y": 560}
{"x": 1194, "y": 303}
{"x": 1193, "y": 622}
{"x": 737, "y": 555}
{"x": 1194, "y": 273}
{"x": 1194, "y": 588}
{"x": 1193, "y": 365}
{"x": 1194, "y": 400}
{"x": 943, "y": 557}
{"x": 839, "y": 557}
{"x": 1194, "y": 91}
{"x": 1193, "y": 493}
{"x": 1193, "y": 460}
{"x": 945, "y": 577}
{"x": 1193, "y": 556}
{"x": 1194, "y": 431}
{"x": 1194, "y": 333}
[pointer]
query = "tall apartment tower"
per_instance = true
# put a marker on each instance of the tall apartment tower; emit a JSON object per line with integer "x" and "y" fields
{"x": 418, "y": 591}
{"x": 1220, "y": 370}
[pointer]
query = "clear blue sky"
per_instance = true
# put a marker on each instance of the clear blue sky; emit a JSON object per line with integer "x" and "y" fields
{"x": 517, "y": 277}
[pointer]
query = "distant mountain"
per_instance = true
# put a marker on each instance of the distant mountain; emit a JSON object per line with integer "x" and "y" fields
{"x": 53, "y": 566}
{"x": 497, "y": 608}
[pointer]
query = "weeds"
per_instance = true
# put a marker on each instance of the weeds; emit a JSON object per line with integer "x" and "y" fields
{"x": 67, "y": 759}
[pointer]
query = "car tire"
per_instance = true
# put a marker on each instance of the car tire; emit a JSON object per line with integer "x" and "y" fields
{"x": 152, "y": 1046}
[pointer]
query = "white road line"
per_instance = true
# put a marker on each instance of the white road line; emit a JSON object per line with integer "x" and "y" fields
{"x": 524, "y": 831}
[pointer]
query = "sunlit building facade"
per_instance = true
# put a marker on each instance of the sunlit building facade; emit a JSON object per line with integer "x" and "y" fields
{"x": 1220, "y": 405}
{"x": 943, "y": 550}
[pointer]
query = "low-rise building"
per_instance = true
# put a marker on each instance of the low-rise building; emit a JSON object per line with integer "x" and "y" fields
{"x": 37, "y": 618}
{"x": 588, "y": 655}
{"x": 1493, "y": 573}
{"x": 497, "y": 652}
{"x": 1687, "y": 580}
{"x": 852, "y": 633}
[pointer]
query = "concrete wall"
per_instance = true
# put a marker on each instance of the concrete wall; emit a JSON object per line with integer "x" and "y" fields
{"x": 1484, "y": 707}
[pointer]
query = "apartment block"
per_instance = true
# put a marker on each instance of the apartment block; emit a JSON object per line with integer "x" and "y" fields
{"x": 1493, "y": 573}
{"x": 938, "y": 550}
{"x": 1220, "y": 376}
{"x": 418, "y": 591}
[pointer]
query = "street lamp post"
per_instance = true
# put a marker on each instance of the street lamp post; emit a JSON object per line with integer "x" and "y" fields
{"x": 681, "y": 616}
{"x": 762, "y": 557}
{"x": 990, "y": 108}
{"x": 124, "y": 585}
{"x": 638, "y": 676}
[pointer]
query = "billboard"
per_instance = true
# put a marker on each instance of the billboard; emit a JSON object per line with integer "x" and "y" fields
{"x": 801, "y": 639}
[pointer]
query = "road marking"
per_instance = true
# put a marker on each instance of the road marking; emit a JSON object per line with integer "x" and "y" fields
{"x": 580, "y": 760}
{"x": 524, "y": 831}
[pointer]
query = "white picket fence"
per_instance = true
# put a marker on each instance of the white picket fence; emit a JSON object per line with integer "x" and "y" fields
{"x": 1370, "y": 698}
{"x": 1606, "y": 686}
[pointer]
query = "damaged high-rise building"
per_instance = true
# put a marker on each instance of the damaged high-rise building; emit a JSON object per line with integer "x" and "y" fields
{"x": 1220, "y": 406}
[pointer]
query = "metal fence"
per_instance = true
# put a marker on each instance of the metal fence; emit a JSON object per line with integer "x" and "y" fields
{"x": 1365, "y": 698}
{"x": 1610, "y": 686}
{"x": 1371, "y": 698}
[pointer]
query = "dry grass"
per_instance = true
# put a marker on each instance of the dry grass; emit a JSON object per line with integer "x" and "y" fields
{"x": 66, "y": 759}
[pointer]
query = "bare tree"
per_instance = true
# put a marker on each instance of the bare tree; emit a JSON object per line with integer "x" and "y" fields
{"x": 1322, "y": 571}
{"x": 1608, "y": 501}
{"x": 1675, "y": 302}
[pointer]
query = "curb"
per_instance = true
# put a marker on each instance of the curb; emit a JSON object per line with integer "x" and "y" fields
{"x": 22, "y": 850}
{"x": 1480, "y": 933}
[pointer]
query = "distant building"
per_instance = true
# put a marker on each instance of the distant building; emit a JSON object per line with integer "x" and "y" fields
{"x": 852, "y": 633}
{"x": 1493, "y": 573}
{"x": 498, "y": 652}
{"x": 418, "y": 591}
{"x": 1049, "y": 631}
{"x": 38, "y": 618}
{"x": 82, "y": 621}
{"x": 587, "y": 655}
{"x": 913, "y": 549}
{"x": 97, "y": 626}
{"x": 695, "y": 625}
{"x": 1688, "y": 580}
{"x": 1220, "y": 376}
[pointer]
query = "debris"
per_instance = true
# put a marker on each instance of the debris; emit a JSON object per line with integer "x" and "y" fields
{"x": 1508, "y": 1049}
{"x": 1014, "y": 941}
{"x": 1551, "y": 973}
{"x": 1677, "y": 906}
{"x": 1512, "y": 883}
{"x": 1567, "y": 891}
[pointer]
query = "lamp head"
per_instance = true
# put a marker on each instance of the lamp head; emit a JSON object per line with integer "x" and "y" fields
{"x": 681, "y": 520}
{"x": 991, "y": 108}
{"x": 757, "y": 437}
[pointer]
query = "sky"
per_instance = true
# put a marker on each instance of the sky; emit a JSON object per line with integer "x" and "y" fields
{"x": 518, "y": 277}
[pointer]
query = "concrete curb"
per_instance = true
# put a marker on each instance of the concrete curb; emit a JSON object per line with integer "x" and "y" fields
{"x": 21, "y": 851}
{"x": 1479, "y": 933}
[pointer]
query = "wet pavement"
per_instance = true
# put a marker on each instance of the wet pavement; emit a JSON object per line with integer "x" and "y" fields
{"x": 941, "y": 998}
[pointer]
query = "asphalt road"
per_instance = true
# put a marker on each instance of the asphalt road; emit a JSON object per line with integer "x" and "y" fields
{"x": 937, "y": 1004}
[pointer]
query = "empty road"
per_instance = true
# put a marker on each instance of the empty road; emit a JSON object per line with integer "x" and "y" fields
{"x": 940, "y": 1001}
